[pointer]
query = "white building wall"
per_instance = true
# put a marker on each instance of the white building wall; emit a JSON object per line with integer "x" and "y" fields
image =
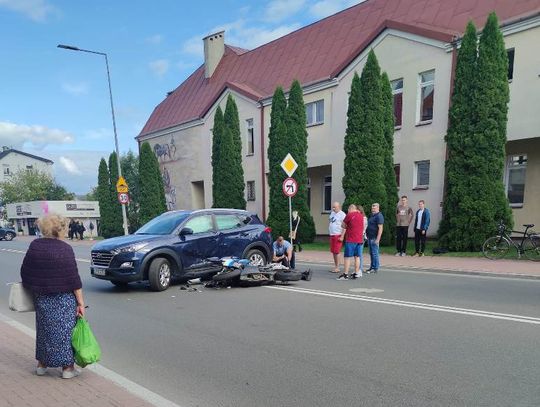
{"x": 14, "y": 162}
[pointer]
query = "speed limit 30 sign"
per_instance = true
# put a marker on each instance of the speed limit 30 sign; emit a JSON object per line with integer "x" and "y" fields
{"x": 290, "y": 187}
{"x": 123, "y": 198}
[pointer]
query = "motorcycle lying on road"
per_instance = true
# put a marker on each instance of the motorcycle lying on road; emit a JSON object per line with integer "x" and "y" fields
{"x": 236, "y": 271}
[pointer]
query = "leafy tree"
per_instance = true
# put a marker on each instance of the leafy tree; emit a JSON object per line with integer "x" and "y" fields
{"x": 152, "y": 193}
{"x": 389, "y": 230}
{"x": 116, "y": 227}
{"x": 218, "y": 195}
{"x": 365, "y": 144}
{"x": 295, "y": 121}
{"x": 235, "y": 190}
{"x": 103, "y": 192}
{"x": 129, "y": 163}
{"x": 92, "y": 195}
{"x": 32, "y": 185}
{"x": 475, "y": 199}
{"x": 278, "y": 214}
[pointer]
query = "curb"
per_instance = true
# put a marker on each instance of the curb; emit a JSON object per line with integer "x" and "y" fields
{"x": 442, "y": 271}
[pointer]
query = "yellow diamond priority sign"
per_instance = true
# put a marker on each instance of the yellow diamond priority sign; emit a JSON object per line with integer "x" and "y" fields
{"x": 289, "y": 165}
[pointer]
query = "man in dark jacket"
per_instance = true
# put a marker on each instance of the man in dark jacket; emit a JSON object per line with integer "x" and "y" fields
{"x": 421, "y": 225}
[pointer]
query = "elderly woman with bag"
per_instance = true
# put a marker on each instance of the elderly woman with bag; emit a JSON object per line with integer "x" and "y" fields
{"x": 49, "y": 271}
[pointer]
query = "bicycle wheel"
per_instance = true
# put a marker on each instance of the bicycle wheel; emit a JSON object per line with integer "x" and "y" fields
{"x": 531, "y": 248}
{"x": 495, "y": 247}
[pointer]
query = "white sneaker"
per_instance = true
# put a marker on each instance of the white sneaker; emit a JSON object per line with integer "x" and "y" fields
{"x": 41, "y": 371}
{"x": 356, "y": 275}
{"x": 403, "y": 254}
{"x": 397, "y": 254}
{"x": 70, "y": 374}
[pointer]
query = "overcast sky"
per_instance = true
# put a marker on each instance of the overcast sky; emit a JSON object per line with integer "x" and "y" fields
{"x": 55, "y": 103}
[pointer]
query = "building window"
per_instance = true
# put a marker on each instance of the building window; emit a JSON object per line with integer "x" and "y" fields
{"x": 397, "y": 170}
{"x": 426, "y": 94}
{"x": 250, "y": 190}
{"x": 397, "y": 92}
{"x": 421, "y": 176}
{"x": 250, "y": 137}
{"x": 327, "y": 194}
{"x": 315, "y": 113}
{"x": 308, "y": 188}
{"x": 6, "y": 169}
{"x": 511, "y": 53}
{"x": 515, "y": 179}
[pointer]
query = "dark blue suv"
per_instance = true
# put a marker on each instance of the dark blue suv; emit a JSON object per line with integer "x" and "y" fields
{"x": 176, "y": 244}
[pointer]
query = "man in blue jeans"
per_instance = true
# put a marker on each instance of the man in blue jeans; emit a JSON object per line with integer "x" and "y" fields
{"x": 374, "y": 232}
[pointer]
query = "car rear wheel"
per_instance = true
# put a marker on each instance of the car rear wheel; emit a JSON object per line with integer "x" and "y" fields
{"x": 9, "y": 236}
{"x": 256, "y": 257}
{"x": 159, "y": 274}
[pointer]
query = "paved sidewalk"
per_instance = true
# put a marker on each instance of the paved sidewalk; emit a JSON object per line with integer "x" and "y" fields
{"x": 21, "y": 387}
{"x": 464, "y": 265}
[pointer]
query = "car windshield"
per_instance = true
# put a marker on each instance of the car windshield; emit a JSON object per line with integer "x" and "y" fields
{"x": 163, "y": 224}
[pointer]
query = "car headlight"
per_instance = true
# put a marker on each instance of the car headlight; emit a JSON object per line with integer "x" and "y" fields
{"x": 131, "y": 248}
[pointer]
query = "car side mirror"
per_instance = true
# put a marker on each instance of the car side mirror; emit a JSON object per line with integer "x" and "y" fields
{"x": 186, "y": 231}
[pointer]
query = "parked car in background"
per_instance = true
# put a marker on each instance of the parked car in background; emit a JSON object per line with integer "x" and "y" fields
{"x": 7, "y": 233}
{"x": 176, "y": 245}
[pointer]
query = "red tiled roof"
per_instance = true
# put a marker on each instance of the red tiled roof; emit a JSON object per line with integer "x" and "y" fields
{"x": 321, "y": 50}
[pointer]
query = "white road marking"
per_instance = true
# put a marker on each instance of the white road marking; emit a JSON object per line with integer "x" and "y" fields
{"x": 366, "y": 290}
{"x": 24, "y": 252}
{"x": 409, "y": 304}
{"x": 124, "y": 382}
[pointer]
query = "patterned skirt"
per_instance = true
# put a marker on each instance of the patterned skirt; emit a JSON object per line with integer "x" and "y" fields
{"x": 55, "y": 320}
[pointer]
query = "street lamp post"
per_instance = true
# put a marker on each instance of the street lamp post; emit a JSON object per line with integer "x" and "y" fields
{"x": 72, "y": 48}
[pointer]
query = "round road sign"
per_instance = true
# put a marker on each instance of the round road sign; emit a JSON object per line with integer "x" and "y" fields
{"x": 123, "y": 198}
{"x": 290, "y": 187}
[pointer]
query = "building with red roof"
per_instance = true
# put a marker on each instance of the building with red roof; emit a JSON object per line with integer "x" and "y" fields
{"x": 415, "y": 42}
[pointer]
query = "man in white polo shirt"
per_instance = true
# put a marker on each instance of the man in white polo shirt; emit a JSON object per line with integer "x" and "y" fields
{"x": 334, "y": 230}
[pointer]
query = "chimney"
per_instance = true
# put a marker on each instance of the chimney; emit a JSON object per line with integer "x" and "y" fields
{"x": 214, "y": 48}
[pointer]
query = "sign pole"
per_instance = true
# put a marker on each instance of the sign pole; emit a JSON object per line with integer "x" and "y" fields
{"x": 290, "y": 219}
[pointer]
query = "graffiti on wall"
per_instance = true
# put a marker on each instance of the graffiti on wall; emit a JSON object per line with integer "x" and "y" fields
{"x": 165, "y": 152}
{"x": 170, "y": 190}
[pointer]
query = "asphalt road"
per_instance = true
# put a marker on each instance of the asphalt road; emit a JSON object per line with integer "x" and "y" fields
{"x": 399, "y": 338}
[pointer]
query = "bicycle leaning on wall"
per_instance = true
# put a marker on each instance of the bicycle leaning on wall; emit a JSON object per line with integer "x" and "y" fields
{"x": 496, "y": 247}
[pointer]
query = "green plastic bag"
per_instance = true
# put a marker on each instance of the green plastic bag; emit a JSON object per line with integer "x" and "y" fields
{"x": 85, "y": 346}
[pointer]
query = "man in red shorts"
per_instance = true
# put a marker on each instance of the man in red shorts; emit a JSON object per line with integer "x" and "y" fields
{"x": 334, "y": 230}
{"x": 353, "y": 234}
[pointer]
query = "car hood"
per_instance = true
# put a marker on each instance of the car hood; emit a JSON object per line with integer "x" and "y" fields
{"x": 123, "y": 241}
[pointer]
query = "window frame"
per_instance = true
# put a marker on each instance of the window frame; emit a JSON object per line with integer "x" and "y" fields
{"x": 397, "y": 174}
{"x": 419, "y": 104}
{"x": 510, "y": 73}
{"x": 416, "y": 174}
{"x": 326, "y": 184}
{"x": 250, "y": 137}
{"x": 508, "y": 168}
{"x": 395, "y": 92}
{"x": 317, "y": 121}
{"x": 253, "y": 197}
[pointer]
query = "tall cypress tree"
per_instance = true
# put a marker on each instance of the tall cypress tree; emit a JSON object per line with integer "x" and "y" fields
{"x": 151, "y": 190}
{"x": 116, "y": 227}
{"x": 218, "y": 197}
{"x": 363, "y": 181}
{"x": 295, "y": 121}
{"x": 475, "y": 198}
{"x": 454, "y": 231}
{"x": 104, "y": 198}
{"x": 235, "y": 190}
{"x": 389, "y": 230}
{"x": 492, "y": 99}
{"x": 278, "y": 214}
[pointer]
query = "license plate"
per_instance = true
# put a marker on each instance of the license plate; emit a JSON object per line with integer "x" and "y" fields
{"x": 100, "y": 272}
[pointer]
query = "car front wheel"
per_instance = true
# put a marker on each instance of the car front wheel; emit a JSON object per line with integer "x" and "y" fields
{"x": 9, "y": 236}
{"x": 159, "y": 274}
{"x": 256, "y": 257}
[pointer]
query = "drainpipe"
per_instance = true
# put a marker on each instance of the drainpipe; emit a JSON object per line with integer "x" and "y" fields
{"x": 263, "y": 166}
{"x": 452, "y": 77}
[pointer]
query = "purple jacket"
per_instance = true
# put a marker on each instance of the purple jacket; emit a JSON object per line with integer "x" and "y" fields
{"x": 49, "y": 267}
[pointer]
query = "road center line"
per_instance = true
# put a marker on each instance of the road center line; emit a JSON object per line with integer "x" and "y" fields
{"x": 24, "y": 252}
{"x": 409, "y": 304}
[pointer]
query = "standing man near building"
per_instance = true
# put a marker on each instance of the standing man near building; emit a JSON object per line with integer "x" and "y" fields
{"x": 421, "y": 225}
{"x": 374, "y": 233}
{"x": 353, "y": 234}
{"x": 334, "y": 230}
{"x": 404, "y": 216}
